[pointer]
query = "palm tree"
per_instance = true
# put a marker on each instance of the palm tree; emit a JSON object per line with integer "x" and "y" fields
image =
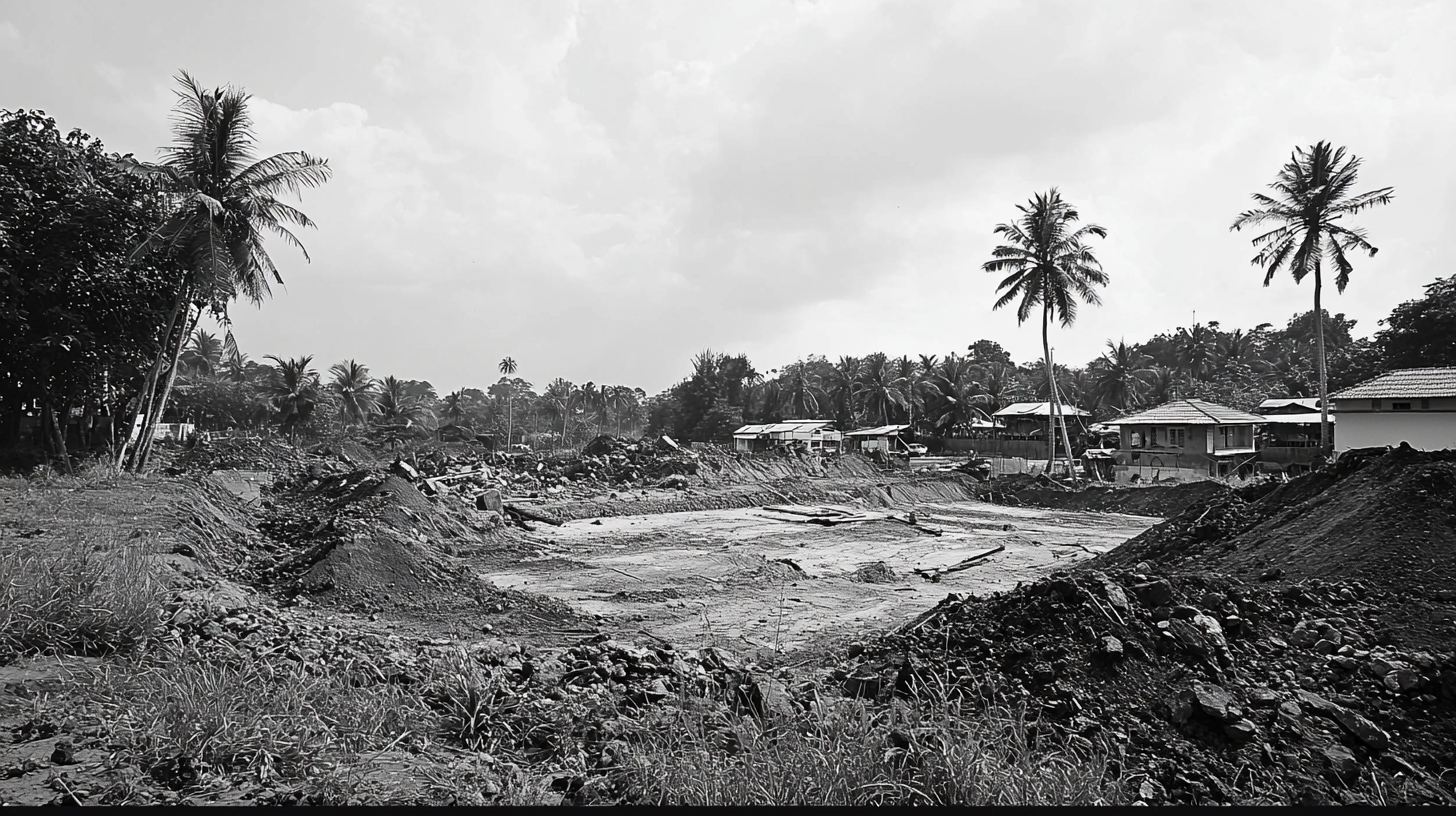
{"x": 1197, "y": 350}
{"x": 203, "y": 355}
{"x": 1313, "y": 194}
{"x": 356, "y": 390}
{"x": 1119, "y": 375}
{"x": 295, "y": 391}
{"x": 508, "y": 369}
{"x": 802, "y": 394}
{"x": 879, "y": 389}
{"x": 842, "y": 388}
{"x": 1047, "y": 264}
{"x": 223, "y": 205}
{"x": 453, "y": 407}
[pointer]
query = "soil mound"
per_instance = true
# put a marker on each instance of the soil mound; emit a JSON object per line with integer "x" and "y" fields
{"x": 1148, "y": 500}
{"x": 236, "y": 453}
{"x": 1385, "y": 518}
{"x": 1215, "y": 691}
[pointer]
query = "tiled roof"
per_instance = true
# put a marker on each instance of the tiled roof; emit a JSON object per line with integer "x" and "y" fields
{"x": 1405, "y": 383}
{"x": 1039, "y": 409}
{"x": 1190, "y": 412}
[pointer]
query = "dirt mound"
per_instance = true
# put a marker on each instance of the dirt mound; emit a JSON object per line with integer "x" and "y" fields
{"x": 236, "y": 453}
{"x": 1142, "y": 500}
{"x": 1388, "y": 519}
{"x": 1214, "y": 690}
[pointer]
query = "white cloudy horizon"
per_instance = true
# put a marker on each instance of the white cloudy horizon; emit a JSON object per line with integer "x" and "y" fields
{"x": 602, "y": 189}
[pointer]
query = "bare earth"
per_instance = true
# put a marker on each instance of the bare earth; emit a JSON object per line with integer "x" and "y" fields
{"x": 748, "y": 579}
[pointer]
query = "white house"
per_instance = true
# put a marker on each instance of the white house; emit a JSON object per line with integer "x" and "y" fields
{"x": 885, "y": 438}
{"x": 818, "y": 434}
{"x": 1414, "y": 405}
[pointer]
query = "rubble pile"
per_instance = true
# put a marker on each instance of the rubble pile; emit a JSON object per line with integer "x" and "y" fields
{"x": 1144, "y": 500}
{"x": 236, "y": 453}
{"x": 1214, "y": 690}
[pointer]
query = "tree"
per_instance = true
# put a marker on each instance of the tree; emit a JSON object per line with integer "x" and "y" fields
{"x": 453, "y": 407}
{"x": 1048, "y": 264}
{"x": 78, "y": 315}
{"x": 1313, "y": 194}
{"x": 1419, "y": 332}
{"x": 1119, "y": 376}
{"x": 295, "y": 391}
{"x": 880, "y": 390}
{"x": 508, "y": 369}
{"x": 356, "y": 390}
{"x": 222, "y": 206}
{"x": 1197, "y": 351}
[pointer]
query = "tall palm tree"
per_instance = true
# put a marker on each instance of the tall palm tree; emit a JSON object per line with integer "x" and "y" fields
{"x": 842, "y": 387}
{"x": 356, "y": 390}
{"x": 453, "y": 407}
{"x": 295, "y": 391}
{"x": 880, "y": 390}
{"x": 1119, "y": 376}
{"x": 1313, "y": 192}
{"x": 802, "y": 393}
{"x": 223, "y": 205}
{"x": 1197, "y": 350}
{"x": 1048, "y": 264}
{"x": 508, "y": 369}
{"x": 203, "y": 354}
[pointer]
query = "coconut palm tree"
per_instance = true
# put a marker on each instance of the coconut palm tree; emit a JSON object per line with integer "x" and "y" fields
{"x": 1197, "y": 350}
{"x": 802, "y": 393}
{"x": 842, "y": 387}
{"x": 453, "y": 407}
{"x": 295, "y": 391}
{"x": 1119, "y": 376}
{"x": 1047, "y": 264}
{"x": 880, "y": 390}
{"x": 203, "y": 355}
{"x": 1312, "y": 193}
{"x": 356, "y": 390}
{"x": 508, "y": 369}
{"x": 223, "y": 205}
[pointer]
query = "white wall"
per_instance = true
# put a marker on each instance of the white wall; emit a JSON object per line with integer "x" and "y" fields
{"x": 1423, "y": 430}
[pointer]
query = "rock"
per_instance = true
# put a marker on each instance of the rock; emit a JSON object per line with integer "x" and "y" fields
{"x": 1203, "y": 636}
{"x": 1263, "y": 698}
{"x": 1241, "y": 730}
{"x": 1154, "y": 594}
{"x": 1340, "y": 764}
{"x": 1216, "y": 702}
{"x": 1358, "y": 726}
{"x": 64, "y": 753}
{"x": 1113, "y": 593}
{"x": 490, "y": 500}
{"x": 1403, "y": 680}
{"x": 1111, "y": 646}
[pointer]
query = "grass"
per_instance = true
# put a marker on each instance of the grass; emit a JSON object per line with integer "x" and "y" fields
{"x": 92, "y": 594}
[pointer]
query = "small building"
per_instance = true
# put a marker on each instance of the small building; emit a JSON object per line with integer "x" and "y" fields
{"x": 1025, "y": 429}
{"x": 1187, "y": 439}
{"x": 814, "y": 434}
{"x": 1412, "y": 405}
{"x": 1291, "y": 433}
{"x": 887, "y": 438}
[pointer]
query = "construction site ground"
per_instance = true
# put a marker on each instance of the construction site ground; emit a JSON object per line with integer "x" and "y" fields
{"x": 761, "y": 583}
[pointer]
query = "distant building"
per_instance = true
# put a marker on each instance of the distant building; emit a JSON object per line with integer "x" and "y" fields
{"x": 815, "y": 434}
{"x": 1290, "y": 439}
{"x": 884, "y": 437}
{"x": 1187, "y": 439}
{"x": 1024, "y": 428}
{"x": 1414, "y": 405}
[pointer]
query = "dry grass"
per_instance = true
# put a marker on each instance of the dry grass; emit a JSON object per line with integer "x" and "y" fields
{"x": 278, "y": 722}
{"x": 94, "y": 594}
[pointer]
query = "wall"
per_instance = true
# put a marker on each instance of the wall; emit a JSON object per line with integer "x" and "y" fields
{"x": 1427, "y": 430}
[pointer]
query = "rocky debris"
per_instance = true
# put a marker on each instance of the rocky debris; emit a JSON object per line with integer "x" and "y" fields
{"x": 1217, "y": 689}
{"x": 876, "y": 573}
{"x": 1146, "y": 500}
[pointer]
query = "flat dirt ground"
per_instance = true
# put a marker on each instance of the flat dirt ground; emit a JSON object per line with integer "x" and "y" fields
{"x": 749, "y": 580}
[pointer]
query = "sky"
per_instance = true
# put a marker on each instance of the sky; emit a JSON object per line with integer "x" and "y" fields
{"x": 601, "y": 190}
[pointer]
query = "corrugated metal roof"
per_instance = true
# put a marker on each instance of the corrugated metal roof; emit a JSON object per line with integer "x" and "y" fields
{"x": 1191, "y": 412}
{"x": 1039, "y": 409}
{"x": 1405, "y": 383}
{"x": 883, "y": 430}
{"x": 747, "y": 430}
{"x": 1296, "y": 419}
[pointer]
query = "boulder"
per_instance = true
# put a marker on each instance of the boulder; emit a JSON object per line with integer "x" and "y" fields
{"x": 1154, "y": 594}
{"x": 490, "y": 500}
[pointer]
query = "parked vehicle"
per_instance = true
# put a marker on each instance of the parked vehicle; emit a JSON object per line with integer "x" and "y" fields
{"x": 917, "y": 449}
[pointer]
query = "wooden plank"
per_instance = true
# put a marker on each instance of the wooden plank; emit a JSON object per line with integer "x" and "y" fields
{"x": 965, "y": 563}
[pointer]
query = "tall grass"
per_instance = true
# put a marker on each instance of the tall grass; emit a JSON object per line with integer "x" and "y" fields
{"x": 92, "y": 594}
{"x": 925, "y": 752}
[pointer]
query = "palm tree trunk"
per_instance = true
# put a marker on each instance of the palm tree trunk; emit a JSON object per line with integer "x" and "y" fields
{"x": 144, "y": 445}
{"x": 149, "y": 385}
{"x": 1062, "y": 420}
{"x": 58, "y": 434}
{"x": 1046, "y": 349}
{"x": 1319, "y": 342}
{"x": 509, "y": 425}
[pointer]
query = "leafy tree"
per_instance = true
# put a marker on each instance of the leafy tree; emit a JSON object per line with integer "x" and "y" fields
{"x": 1314, "y": 191}
{"x": 1047, "y": 264}
{"x": 1422, "y": 332}
{"x": 78, "y": 317}
{"x": 987, "y": 352}
{"x": 508, "y": 369}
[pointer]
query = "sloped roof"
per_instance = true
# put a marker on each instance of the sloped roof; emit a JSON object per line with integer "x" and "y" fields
{"x": 783, "y": 427}
{"x": 1297, "y": 419}
{"x": 1191, "y": 412}
{"x": 1405, "y": 383}
{"x": 1039, "y": 409}
{"x": 1288, "y": 403}
{"x": 883, "y": 430}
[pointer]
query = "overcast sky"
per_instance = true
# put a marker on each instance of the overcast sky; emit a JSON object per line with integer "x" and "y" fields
{"x": 602, "y": 189}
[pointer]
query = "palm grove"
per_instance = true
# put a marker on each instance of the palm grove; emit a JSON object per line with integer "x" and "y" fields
{"x": 107, "y": 265}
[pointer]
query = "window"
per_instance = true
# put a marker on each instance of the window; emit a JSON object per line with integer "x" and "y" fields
{"x": 1176, "y": 437}
{"x": 1400, "y": 406}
